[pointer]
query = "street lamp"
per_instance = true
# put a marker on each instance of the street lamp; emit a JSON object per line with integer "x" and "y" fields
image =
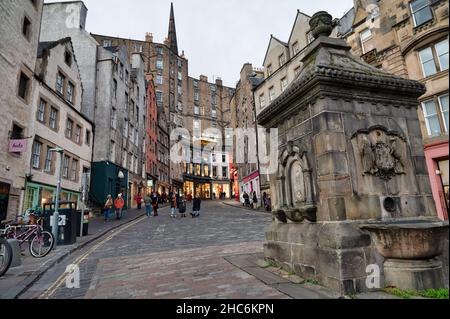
{"x": 58, "y": 193}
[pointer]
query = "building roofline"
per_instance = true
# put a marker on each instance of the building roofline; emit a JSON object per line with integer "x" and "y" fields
{"x": 295, "y": 22}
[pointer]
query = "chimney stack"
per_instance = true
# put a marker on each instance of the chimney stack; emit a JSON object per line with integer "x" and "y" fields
{"x": 219, "y": 82}
{"x": 149, "y": 37}
{"x": 203, "y": 78}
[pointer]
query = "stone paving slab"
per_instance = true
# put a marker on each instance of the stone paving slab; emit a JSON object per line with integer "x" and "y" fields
{"x": 18, "y": 279}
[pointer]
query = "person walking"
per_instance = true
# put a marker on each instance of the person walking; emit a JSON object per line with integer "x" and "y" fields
{"x": 173, "y": 205}
{"x": 181, "y": 203}
{"x": 155, "y": 202}
{"x": 264, "y": 200}
{"x": 255, "y": 201}
{"x": 148, "y": 205}
{"x": 196, "y": 206}
{"x": 139, "y": 201}
{"x": 108, "y": 206}
{"x": 119, "y": 203}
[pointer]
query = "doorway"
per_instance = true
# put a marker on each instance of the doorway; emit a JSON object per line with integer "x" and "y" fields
{"x": 4, "y": 198}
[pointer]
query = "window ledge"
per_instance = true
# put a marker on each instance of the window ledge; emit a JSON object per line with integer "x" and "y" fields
{"x": 434, "y": 76}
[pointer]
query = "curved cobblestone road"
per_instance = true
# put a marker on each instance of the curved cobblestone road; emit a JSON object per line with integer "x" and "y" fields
{"x": 160, "y": 257}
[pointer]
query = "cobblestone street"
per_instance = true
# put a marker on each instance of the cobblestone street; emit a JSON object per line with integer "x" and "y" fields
{"x": 160, "y": 257}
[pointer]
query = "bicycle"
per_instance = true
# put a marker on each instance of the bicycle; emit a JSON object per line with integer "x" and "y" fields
{"x": 5, "y": 256}
{"x": 41, "y": 242}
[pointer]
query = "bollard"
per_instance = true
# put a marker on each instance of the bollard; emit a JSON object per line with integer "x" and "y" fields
{"x": 16, "y": 255}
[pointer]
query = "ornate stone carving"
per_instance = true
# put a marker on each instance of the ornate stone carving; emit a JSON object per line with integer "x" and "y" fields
{"x": 381, "y": 153}
{"x": 295, "y": 186}
{"x": 321, "y": 23}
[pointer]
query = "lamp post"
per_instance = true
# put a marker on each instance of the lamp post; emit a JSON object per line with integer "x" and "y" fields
{"x": 58, "y": 193}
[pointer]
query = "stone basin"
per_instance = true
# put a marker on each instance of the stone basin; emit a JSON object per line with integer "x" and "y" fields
{"x": 414, "y": 239}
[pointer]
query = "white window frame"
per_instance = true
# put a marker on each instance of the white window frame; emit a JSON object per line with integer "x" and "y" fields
{"x": 442, "y": 111}
{"x": 426, "y": 116}
{"x": 48, "y": 160}
{"x": 41, "y": 110}
{"x": 365, "y": 39}
{"x": 262, "y": 101}
{"x": 37, "y": 149}
{"x": 421, "y": 8}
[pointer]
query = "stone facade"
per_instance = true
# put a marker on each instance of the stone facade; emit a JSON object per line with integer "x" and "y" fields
{"x": 60, "y": 20}
{"x": 119, "y": 118}
{"x": 244, "y": 118}
{"x": 57, "y": 122}
{"x": 175, "y": 97}
{"x": 151, "y": 143}
{"x": 402, "y": 43}
{"x": 19, "y": 37}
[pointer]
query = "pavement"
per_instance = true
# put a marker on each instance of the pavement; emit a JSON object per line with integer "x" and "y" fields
{"x": 216, "y": 256}
{"x": 18, "y": 279}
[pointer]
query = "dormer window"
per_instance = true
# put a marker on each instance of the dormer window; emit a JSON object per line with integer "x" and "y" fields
{"x": 296, "y": 48}
{"x": 282, "y": 60}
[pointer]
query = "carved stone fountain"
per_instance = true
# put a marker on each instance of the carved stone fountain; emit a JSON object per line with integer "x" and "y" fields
{"x": 352, "y": 187}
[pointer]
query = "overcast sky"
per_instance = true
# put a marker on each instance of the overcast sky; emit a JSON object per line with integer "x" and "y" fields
{"x": 218, "y": 36}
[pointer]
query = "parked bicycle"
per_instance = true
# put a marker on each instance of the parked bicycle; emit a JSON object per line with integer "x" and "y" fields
{"x": 5, "y": 256}
{"x": 40, "y": 241}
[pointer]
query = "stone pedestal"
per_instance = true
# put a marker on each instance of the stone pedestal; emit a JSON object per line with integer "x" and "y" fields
{"x": 414, "y": 274}
{"x": 350, "y": 150}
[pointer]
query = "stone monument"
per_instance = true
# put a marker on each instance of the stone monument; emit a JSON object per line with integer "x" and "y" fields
{"x": 351, "y": 167}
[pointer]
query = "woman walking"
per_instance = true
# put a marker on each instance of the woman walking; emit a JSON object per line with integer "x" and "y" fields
{"x": 173, "y": 205}
{"x": 108, "y": 206}
{"x": 181, "y": 203}
{"x": 196, "y": 206}
{"x": 148, "y": 205}
{"x": 155, "y": 201}
{"x": 255, "y": 201}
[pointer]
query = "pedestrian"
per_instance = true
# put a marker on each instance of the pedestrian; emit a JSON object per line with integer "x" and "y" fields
{"x": 181, "y": 203}
{"x": 264, "y": 200}
{"x": 255, "y": 201}
{"x": 119, "y": 203}
{"x": 155, "y": 202}
{"x": 148, "y": 205}
{"x": 196, "y": 206}
{"x": 246, "y": 200}
{"x": 173, "y": 205}
{"x": 108, "y": 206}
{"x": 139, "y": 200}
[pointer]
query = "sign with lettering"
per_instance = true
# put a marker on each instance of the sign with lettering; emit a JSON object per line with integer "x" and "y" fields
{"x": 17, "y": 146}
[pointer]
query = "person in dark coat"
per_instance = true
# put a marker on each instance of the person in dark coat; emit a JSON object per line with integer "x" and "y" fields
{"x": 196, "y": 206}
{"x": 181, "y": 203}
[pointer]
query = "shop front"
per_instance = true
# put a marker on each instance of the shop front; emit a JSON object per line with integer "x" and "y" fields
{"x": 201, "y": 187}
{"x": 108, "y": 179}
{"x": 4, "y": 198}
{"x": 249, "y": 185}
{"x": 37, "y": 195}
{"x": 221, "y": 190}
{"x": 437, "y": 158}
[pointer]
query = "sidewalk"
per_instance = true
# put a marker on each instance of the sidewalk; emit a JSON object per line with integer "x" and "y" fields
{"x": 18, "y": 279}
{"x": 235, "y": 204}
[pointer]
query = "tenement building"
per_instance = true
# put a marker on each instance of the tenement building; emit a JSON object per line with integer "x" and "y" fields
{"x": 61, "y": 133}
{"x": 113, "y": 98}
{"x": 244, "y": 118}
{"x": 410, "y": 39}
{"x": 19, "y": 37}
{"x": 151, "y": 128}
{"x": 119, "y": 120}
{"x": 178, "y": 98}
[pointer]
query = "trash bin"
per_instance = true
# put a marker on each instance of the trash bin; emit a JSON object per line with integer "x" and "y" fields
{"x": 67, "y": 232}
{"x": 85, "y": 223}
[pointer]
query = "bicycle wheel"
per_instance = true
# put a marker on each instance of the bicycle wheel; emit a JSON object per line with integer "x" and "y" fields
{"x": 42, "y": 244}
{"x": 5, "y": 256}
